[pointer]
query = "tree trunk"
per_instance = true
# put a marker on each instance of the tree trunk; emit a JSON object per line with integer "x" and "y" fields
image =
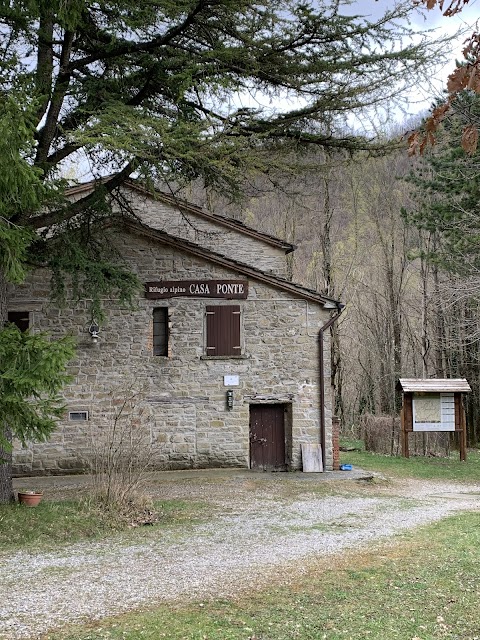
{"x": 470, "y": 372}
{"x": 6, "y": 484}
{"x": 329, "y": 289}
{"x": 440, "y": 337}
{"x": 424, "y": 276}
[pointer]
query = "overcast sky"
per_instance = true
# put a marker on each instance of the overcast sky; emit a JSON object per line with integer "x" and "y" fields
{"x": 377, "y": 8}
{"x": 464, "y": 24}
{"x": 465, "y": 21}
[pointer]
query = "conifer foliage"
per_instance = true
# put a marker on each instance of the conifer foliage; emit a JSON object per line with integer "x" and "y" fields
{"x": 175, "y": 89}
{"x": 170, "y": 90}
{"x": 448, "y": 192}
{"x": 465, "y": 77}
{"x": 32, "y": 371}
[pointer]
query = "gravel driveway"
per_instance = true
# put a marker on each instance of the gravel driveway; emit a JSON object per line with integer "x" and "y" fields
{"x": 263, "y": 527}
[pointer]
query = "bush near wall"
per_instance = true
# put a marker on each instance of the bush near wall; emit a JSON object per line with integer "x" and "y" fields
{"x": 381, "y": 434}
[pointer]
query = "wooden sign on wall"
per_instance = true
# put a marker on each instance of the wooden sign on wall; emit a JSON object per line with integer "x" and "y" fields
{"x": 228, "y": 289}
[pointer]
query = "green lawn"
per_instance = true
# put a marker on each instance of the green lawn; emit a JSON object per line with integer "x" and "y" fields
{"x": 425, "y": 587}
{"x": 63, "y": 522}
{"x": 418, "y": 466}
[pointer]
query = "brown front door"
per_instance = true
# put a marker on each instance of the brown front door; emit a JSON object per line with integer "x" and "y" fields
{"x": 267, "y": 437}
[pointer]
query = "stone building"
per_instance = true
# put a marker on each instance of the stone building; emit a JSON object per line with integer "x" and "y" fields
{"x": 222, "y": 361}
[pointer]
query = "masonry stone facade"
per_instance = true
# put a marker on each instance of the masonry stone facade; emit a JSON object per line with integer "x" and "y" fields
{"x": 218, "y": 233}
{"x": 188, "y": 408}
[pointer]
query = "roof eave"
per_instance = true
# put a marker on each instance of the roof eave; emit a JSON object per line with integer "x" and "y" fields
{"x": 240, "y": 267}
{"x": 433, "y": 385}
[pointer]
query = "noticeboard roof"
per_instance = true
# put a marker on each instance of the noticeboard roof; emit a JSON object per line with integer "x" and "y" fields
{"x": 434, "y": 385}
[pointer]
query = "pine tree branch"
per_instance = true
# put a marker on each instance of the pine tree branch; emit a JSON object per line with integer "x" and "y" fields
{"x": 128, "y": 48}
{"x": 62, "y": 215}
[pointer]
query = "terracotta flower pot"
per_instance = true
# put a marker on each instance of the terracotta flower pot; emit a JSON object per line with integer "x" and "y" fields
{"x": 29, "y": 498}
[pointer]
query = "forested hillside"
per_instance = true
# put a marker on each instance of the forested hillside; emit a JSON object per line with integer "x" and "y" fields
{"x": 369, "y": 232}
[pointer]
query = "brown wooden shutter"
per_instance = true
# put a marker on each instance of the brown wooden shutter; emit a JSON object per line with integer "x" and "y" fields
{"x": 223, "y": 330}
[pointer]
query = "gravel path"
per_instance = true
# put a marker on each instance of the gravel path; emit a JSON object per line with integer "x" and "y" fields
{"x": 260, "y": 527}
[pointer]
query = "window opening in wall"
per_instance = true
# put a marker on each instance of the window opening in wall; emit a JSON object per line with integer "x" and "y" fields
{"x": 160, "y": 331}
{"x": 223, "y": 330}
{"x": 20, "y": 318}
{"x": 78, "y": 416}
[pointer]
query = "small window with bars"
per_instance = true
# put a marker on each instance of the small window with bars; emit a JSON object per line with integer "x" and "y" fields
{"x": 223, "y": 330}
{"x": 19, "y": 318}
{"x": 78, "y": 416}
{"x": 160, "y": 331}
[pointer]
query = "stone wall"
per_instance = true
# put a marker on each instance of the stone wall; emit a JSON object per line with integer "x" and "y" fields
{"x": 209, "y": 233}
{"x": 176, "y": 405}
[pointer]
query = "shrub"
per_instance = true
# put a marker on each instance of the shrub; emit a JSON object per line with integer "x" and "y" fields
{"x": 119, "y": 460}
{"x": 381, "y": 434}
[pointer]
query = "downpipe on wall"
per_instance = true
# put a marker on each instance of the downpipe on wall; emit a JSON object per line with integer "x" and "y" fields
{"x": 321, "y": 363}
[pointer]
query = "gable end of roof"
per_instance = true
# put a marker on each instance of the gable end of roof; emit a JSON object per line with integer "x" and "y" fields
{"x": 188, "y": 207}
{"x": 217, "y": 258}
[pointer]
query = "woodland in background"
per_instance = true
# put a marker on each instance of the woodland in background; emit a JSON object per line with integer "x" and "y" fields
{"x": 151, "y": 90}
{"x": 397, "y": 240}
{"x": 167, "y": 91}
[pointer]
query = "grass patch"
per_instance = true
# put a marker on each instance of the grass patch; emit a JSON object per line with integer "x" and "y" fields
{"x": 425, "y": 587}
{"x": 50, "y": 523}
{"x": 53, "y": 523}
{"x": 352, "y": 444}
{"x": 418, "y": 466}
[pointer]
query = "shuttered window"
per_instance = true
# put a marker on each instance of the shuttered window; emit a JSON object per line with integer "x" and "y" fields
{"x": 160, "y": 331}
{"x": 223, "y": 330}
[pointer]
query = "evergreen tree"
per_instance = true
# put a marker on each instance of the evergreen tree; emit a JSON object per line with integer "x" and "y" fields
{"x": 155, "y": 90}
{"x": 448, "y": 188}
{"x": 448, "y": 209}
{"x": 32, "y": 371}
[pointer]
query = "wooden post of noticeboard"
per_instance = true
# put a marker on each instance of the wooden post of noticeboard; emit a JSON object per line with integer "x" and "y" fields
{"x": 406, "y": 422}
{"x": 463, "y": 434}
{"x": 403, "y": 434}
{"x": 461, "y": 426}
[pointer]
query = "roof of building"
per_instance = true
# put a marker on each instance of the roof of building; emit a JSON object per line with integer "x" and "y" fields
{"x": 188, "y": 207}
{"x": 240, "y": 267}
{"x": 434, "y": 385}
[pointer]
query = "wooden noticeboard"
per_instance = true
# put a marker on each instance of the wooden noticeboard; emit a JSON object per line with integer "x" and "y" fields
{"x": 433, "y": 405}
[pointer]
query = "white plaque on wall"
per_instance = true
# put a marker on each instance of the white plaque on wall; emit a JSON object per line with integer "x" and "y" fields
{"x": 231, "y": 381}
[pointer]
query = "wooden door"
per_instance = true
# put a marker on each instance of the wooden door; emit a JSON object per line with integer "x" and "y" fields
{"x": 267, "y": 437}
